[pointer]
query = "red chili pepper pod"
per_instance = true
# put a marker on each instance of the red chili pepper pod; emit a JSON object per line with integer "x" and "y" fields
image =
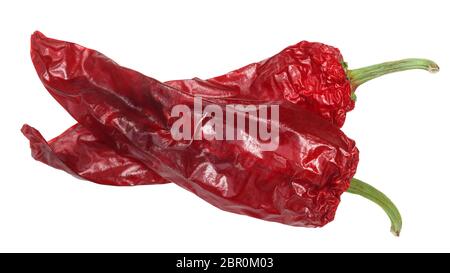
{"x": 313, "y": 75}
{"x": 297, "y": 184}
{"x": 69, "y": 151}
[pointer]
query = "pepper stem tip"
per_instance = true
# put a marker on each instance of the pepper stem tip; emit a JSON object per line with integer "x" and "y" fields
{"x": 364, "y": 74}
{"x": 367, "y": 191}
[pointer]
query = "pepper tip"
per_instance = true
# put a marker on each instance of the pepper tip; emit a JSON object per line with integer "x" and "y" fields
{"x": 433, "y": 68}
{"x": 396, "y": 230}
{"x": 37, "y": 34}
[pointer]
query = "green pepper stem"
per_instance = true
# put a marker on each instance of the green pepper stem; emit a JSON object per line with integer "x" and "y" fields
{"x": 364, "y": 74}
{"x": 367, "y": 191}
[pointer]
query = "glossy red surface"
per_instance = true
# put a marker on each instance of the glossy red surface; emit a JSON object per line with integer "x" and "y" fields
{"x": 82, "y": 154}
{"x": 307, "y": 74}
{"x": 299, "y": 183}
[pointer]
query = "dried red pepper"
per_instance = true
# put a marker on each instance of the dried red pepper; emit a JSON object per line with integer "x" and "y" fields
{"x": 78, "y": 152}
{"x": 129, "y": 110}
{"x": 313, "y": 75}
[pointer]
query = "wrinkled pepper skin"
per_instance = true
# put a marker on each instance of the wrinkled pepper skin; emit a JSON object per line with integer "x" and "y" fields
{"x": 79, "y": 152}
{"x": 298, "y": 184}
{"x": 307, "y": 74}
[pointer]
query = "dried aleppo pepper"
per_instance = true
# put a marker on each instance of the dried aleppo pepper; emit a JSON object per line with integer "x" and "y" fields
{"x": 128, "y": 109}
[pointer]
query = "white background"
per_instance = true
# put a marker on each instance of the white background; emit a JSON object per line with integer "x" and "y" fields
{"x": 400, "y": 123}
